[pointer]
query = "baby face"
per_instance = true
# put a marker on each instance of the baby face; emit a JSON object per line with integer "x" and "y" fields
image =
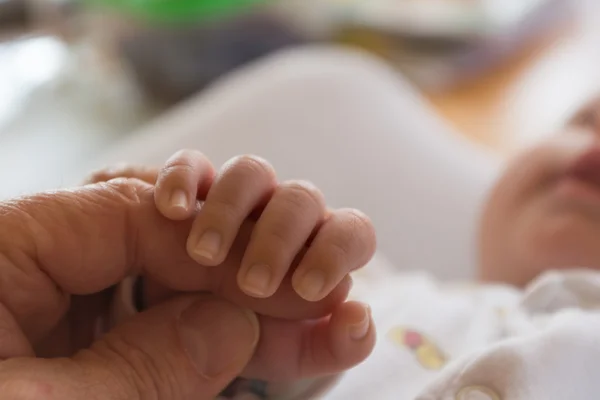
{"x": 544, "y": 213}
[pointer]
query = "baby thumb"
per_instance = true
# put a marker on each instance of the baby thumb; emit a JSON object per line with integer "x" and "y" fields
{"x": 188, "y": 348}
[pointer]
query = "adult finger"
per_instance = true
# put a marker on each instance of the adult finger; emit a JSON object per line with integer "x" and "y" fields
{"x": 293, "y": 350}
{"x": 188, "y": 348}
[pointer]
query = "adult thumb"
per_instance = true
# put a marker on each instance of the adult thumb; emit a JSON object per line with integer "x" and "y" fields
{"x": 188, "y": 348}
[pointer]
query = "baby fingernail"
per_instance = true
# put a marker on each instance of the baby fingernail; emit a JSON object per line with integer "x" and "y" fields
{"x": 359, "y": 331}
{"x": 179, "y": 199}
{"x": 208, "y": 245}
{"x": 257, "y": 280}
{"x": 311, "y": 285}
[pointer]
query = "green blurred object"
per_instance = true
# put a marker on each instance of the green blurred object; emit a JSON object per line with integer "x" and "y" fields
{"x": 177, "y": 11}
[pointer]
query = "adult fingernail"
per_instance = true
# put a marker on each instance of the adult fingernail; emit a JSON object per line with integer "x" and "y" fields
{"x": 217, "y": 336}
{"x": 208, "y": 245}
{"x": 257, "y": 280}
{"x": 359, "y": 330}
{"x": 311, "y": 285}
{"x": 179, "y": 199}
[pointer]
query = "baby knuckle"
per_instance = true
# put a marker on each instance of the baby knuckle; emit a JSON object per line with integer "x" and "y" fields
{"x": 175, "y": 170}
{"x": 360, "y": 222}
{"x": 185, "y": 156}
{"x": 353, "y": 233}
{"x": 340, "y": 242}
{"x": 357, "y": 225}
{"x": 302, "y": 195}
{"x": 223, "y": 207}
{"x": 280, "y": 236}
{"x": 363, "y": 241}
{"x": 340, "y": 250}
{"x": 251, "y": 166}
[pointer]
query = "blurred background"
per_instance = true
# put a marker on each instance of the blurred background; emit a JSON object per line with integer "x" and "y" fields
{"x": 78, "y": 75}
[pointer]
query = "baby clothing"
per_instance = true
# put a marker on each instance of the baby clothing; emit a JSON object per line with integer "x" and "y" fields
{"x": 442, "y": 341}
{"x": 481, "y": 342}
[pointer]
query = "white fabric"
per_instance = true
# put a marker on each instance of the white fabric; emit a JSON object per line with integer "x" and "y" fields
{"x": 481, "y": 342}
{"x": 350, "y": 124}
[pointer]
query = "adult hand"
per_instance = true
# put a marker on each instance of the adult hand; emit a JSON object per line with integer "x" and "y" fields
{"x": 56, "y": 246}
{"x": 60, "y": 253}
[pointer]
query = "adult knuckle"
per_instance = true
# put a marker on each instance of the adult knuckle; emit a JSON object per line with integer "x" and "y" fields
{"x": 122, "y": 197}
{"x": 129, "y": 190}
{"x": 20, "y": 379}
{"x": 136, "y": 371}
{"x": 111, "y": 172}
{"x": 96, "y": 176}
{"x": 25, "y": 388}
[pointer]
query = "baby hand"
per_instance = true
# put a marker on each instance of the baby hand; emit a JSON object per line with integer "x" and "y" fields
{"x": 294, "y": 236}
{"x": 288, "y": 231}
{"x": 294, "y": 239}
